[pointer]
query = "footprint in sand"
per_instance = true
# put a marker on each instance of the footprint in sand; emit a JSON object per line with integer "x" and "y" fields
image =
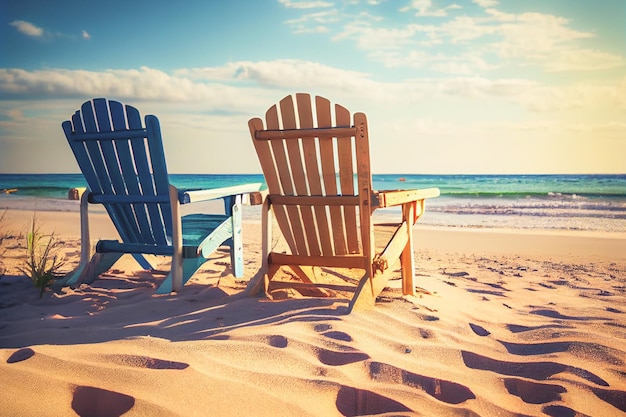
{"x": 538, "y": 371}
{"x": 616, "y": 398}
{"x": 486, "y": 292}
{"x": 479, "y": 330}
{"x": 145, "y": 362}
{"x": 516, "y": 328}
{"x": 446, "y": 391}
{"x": 334, "y": 358}
{"x": 561, "y": 411}
{"x": 98, "y": 402}
{"x": 553, "y": 314}
{"x": 335, "y": 335}
{"x": 326, "y": 330}
{"x": 533, "y": 392}
{"x": 278, "y": 341}
{"x": 21, "y": 355}
{"x": 582, "y": 349}
{"x": 358, "y": 402}
{"x": 323, "y": 327}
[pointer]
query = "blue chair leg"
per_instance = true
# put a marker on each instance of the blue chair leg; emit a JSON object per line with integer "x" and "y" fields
{"x": 190, "y": 266}
{"x": 88, "y": 273}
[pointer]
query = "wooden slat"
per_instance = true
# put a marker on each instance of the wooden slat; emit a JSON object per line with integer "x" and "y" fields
{"x": 319, "y": 132}
{"x": 126, "y": 199}
{"x": 116, "y": 134}
{"x": 364, "y": 181}
{"x": 327, "y": 155}
{"x": 318, "y": 237}
{"x": 307, "y": 245}
{"x": 315, "y": 200}
{"x": 407, "y": 260}
{"x": 279, "y": 165}
{"x": 80, "y": 151}
{"x": 281, "y": 158}
{"x": 349, "y": 261}
{"x": 102, "y": 183}
{"x": 394, "y": 248}
{"x": 346, "y": 179}
{"x": 264, "y": 153}
{"x": 127, "y": 165}
{"x": 108, "y": 150}
{"x": 137, "y": 221}
{"x": 160, "y": 177}
{"x": 136, "y": 218}
{"x": 397, "y": 197}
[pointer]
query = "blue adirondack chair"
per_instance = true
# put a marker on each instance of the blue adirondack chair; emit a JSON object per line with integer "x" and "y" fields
{"x": 124, "y": 165}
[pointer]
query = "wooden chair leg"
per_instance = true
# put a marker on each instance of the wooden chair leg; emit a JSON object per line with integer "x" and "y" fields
{"x": 236, "y": 251}
{"x": 364, "y": 297}
{"x": 406, "y": 257}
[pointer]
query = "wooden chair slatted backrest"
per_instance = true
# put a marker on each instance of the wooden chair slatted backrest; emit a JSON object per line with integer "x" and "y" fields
{"x": 124, "y": 165}
{"x": 309, "y": 148}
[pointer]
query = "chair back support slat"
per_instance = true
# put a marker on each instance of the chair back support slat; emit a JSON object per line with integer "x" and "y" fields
{"x": 320, "y": 243}
{"x": 118, "y": 166}
{"x": 160, "y": 177}
{"x": 345, "y": 153}
{"x": 127, "y": 163}
{"x": 364, "y": 184}
{"x": 324, "y": 120}
{"x": 282, "y": 182}
{"x": 94, "y": 163}
{"x": 307, "y": 164}
{"x": 298, "y": 216}
{"x": 108, "y": 153}
{"x": 292, "y": 118}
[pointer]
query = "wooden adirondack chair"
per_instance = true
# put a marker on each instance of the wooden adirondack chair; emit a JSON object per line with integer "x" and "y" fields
{"x": 124, "y": 165}
{"x": 312, "y": 155}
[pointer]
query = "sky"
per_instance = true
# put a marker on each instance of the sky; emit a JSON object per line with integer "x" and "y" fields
{"x": 448, "y": 86}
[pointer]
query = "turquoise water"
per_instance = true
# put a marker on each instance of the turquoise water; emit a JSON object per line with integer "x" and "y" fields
{"x": 566, "y": 202}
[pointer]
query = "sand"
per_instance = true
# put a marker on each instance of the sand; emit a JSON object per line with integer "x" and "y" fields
{"x": 506, "y": 323}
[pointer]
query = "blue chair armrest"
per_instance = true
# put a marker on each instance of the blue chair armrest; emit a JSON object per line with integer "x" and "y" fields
{"x": 192, "y": 196}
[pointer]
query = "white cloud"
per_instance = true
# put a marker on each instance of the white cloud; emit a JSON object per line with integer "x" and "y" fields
{"x": 305, "y": 4}
{"x": 243, "y": 85}
{"x": 31, "y": 30}
{"x": 583, "y": 60}
{"x": 283, "y": 74}
{"x": 313, "y": 22}
{"x": 450, "y": 116}
{"x": 471, "y": 44}
{"x": 28, "y": 28}
{"x": 486, "y": 3}
{"x": 372, "y": 38}
{"x": 425, "y": 8}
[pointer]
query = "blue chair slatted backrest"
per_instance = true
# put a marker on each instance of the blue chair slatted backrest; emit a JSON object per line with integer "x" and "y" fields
{"x": 124, "y": 165}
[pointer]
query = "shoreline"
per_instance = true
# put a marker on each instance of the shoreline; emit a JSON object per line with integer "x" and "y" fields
{"x": 579, "y": 245}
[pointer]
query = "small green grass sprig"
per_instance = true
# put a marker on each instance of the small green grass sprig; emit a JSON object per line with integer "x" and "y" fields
{"x": 42, "y": 263}
{"x": 3, "y": 235}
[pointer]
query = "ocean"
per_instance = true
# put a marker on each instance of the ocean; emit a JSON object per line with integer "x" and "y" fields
{"x": 592, "y": 203}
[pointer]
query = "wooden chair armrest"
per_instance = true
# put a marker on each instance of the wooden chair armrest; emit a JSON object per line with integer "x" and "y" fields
{"x": 193, "y": 196}
{"x": 390, "y": 198}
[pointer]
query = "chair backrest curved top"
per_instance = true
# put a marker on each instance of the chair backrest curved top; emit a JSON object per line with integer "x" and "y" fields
{"x": 124, "y": 165}
{"x": 315, "y": 159}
